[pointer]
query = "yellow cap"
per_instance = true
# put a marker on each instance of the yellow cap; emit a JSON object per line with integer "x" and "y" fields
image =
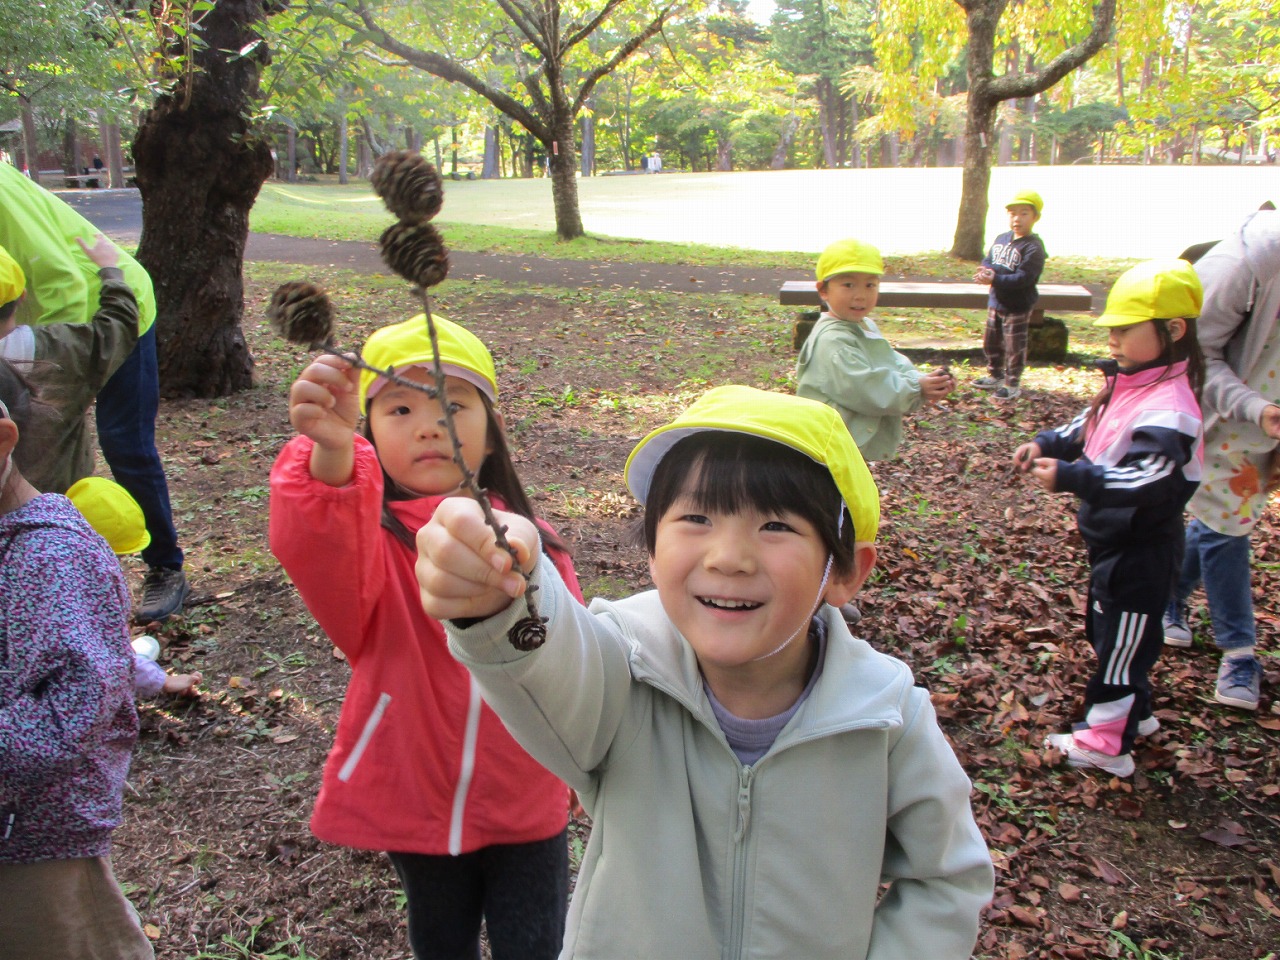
{"x": 404, "y": 345}
{"x": 112, "y": 512}
{"x": 1030, "y": 198}
{"x": 849, "y": 256}
{"x": 12, "y": 280}
{"x": 1155, "y": 290}
{"x": 805, "y": 425}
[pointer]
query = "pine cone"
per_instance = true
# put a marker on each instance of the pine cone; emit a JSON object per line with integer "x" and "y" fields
{"x": 409, "y": 186}
{"x": 301, "y": 312}
{"x": 416, "y": 251}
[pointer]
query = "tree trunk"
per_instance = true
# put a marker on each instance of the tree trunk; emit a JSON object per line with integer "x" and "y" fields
{"x": 199, "y": 169}
{"x": 344, "y": 147}
{"x": 30, "y": 141}
{"x": 291, "y": 175}
{"x": 588, "y": 145}
{"x": 976, "y": 179}
{"x": 724, "y": 154}
{"x": 563, "y": 165}
{"x": 70, "y": 147}
{"x": 115, "y": 157}
{"x": 785, "y": 138}
{"x": 492, "y": 157}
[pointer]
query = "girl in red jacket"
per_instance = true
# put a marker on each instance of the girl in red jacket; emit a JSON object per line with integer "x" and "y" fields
{"x": 421, "y": 767}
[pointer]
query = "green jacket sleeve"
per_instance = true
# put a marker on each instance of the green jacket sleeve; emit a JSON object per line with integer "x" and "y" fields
{"x": 865, "y": 377}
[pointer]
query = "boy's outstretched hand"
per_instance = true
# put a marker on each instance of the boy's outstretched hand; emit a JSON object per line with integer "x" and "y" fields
{"x": 462, "y": 572}
{"x": 103, "y": 253}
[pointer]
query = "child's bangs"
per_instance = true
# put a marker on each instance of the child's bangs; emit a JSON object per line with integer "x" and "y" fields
{"x": 724, "y": 472}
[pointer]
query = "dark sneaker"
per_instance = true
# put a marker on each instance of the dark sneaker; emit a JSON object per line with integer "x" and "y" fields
{"x": 1008, "y": 393}
{"x": 1176, "y": 634}
{"x": 1239, "y": 682}
{"x": 163, "y": 591}
{"x": 988, "y": 383}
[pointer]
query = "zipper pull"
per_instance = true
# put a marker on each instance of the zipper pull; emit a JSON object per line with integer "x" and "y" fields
{"x": 9, "y": 818}
{"x": 744, "y": 802}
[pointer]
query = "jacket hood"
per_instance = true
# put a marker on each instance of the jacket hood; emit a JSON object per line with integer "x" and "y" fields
{"x": 1260, "y": 237}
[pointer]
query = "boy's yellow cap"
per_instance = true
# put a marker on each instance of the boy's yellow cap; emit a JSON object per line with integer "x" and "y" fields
{"x": 808, "y": 426}
{"x": 12, "y": 280}
{"x": 849, "y": 256}
{"x": 1030, "y": 198}
{"x": 1155, "y": 290}
{"x": 112, "y": 512}
{"x": 403, "y": 345}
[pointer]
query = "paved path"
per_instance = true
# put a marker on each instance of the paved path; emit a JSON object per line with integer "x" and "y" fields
{"x": 119, "y": 215}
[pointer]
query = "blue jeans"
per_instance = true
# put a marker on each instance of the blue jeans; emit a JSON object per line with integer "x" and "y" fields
{"x": 1222, "y": 562}
{"x": 126, "y": 415}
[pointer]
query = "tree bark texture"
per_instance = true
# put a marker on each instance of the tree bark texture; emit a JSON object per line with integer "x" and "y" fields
{"x": 199, "y": 169}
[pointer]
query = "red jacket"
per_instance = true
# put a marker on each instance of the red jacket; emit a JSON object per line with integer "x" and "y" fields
{"x": 419, "y": 764}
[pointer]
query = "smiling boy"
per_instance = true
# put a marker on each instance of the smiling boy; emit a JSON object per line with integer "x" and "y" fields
{"x": 761, "y": 783}
{"x": 847, "y": 363}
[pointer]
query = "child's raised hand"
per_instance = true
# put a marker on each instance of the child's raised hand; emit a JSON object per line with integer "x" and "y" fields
{"x": 1024, "y": 456}
{"x": 1045, "y": 471}
{"x": 324, "y": 402}
{"x": 984, "y": 275}
{"x": 103, "y": 253}
{"x": 462, "y": 572}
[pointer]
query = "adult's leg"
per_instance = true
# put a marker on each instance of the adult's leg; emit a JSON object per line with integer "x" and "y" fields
{"x": 1224, "y": 564}
{"x": 1188, "y": 576}
{"x": 444, "y": 897}
{"x": 526, "y": 897}
{"x": 126, "y": 416}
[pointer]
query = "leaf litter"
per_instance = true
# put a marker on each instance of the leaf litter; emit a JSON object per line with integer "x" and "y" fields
{"x": 980, "y": 587}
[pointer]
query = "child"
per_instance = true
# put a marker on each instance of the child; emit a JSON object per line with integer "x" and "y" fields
{"x": 1134, "y": 459}
{"x": 847, "y": 363}
{"x": 754, "y": 772}
{"x": 70, "y": 362}
{"x": 67, "y": 720}
{"x": 421, "y": 768}
{"x": 116, "y": 517}
{"x": 1012, "y": 266}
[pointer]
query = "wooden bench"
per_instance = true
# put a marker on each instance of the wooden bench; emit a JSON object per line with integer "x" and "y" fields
{"x": 936, "y": 295}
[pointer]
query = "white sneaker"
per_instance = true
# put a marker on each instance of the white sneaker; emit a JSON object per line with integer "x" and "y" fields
{"x": 1177, "y": 634}
{"x": 1065, "y": 743}
{"x": 1148, "y": 727}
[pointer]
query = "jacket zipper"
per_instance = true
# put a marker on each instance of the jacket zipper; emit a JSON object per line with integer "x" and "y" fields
{"x": 468, "y": 769}
{"x": 370, "y": 725}
{"x": 737, "y": 910}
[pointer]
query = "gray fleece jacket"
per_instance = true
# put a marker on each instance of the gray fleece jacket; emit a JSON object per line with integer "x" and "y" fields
{"x": 694, "y": 855}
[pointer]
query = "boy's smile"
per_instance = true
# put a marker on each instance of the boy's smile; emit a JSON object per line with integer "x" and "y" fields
{"x": 850, "y": 296}
{"x": 738, "y": 587}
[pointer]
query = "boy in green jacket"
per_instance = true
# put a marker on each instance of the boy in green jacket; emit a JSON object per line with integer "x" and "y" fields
{"x": 847, "y": 363}
{"x": 754, "y": 772}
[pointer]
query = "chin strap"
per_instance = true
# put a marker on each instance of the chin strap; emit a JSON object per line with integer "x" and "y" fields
{"x": 804, "y": 626}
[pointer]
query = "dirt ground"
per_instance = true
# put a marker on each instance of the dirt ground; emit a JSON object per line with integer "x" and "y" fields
{"x": 979, "y": 587}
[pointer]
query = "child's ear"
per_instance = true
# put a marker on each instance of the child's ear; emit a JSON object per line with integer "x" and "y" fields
{"x": 822, "y": 289}
{"x": 843, "y": 587}
{"x": 8, "y": 437}
{"x": 1177, "y": 329}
